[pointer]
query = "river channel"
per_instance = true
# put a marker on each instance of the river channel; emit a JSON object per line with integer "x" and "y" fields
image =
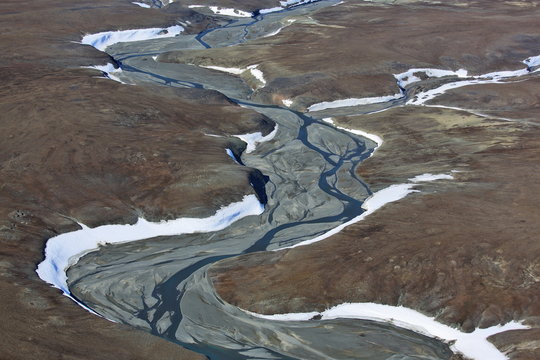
{"x": 305, "y": 176}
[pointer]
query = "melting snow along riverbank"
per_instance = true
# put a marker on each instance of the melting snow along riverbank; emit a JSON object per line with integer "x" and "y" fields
{"x": 103, "y": 39}
{"x": 473, "y": 345}
{"x": 64, "y": 250}
{"x": 415, "y": 75}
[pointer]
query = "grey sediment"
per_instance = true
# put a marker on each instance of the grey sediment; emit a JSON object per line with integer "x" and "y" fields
{"x": 161, "y": 284}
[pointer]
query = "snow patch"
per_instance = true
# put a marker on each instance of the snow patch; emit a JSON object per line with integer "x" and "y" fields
{"x": 289, "y": 2}
{"x": 64, "y": 250}
{"x": 258, "y": 74}
{"x": 533, "y": 61}
{"x": 285, "y": 4}
{"x": 143, "y": 5}
{"x": 431, "y": 177}
{"x": 109, "y": 71}
{"x": 473, "y": 345}
{"x": 229, "y": 12}
{"x": 103, "y": 39}
{"x": 497, "y": 77}
{"x": 224, "y": 11}
{"x": 374, "y": 202}
{"x": 408, "y": 77}
{"x": 270, "y": 10}
{"x": 256, "y": 138}
{"x": 375, "y": 138}
{"x": 501, "y": 75}
{"x": 231, "y": 70}
{"x": 287, "y": 102}
{"x": 352, "y": 102}
{"x": 273, "y": 33}
{"x": 422, "y": 97}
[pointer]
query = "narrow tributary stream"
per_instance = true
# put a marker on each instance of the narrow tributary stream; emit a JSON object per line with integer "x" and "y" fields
{"x": 161, "y": 284}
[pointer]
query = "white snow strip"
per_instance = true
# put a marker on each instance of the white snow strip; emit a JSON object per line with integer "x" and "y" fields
{"x": 232, "y": 70}
{"x": 411, "y": 76}
{"x": 275, "y": 32}
{"x": 533, "y": 61}
{"x": 286, "y": 317}
{"x": 270, "y": 10}
{"x": 422, "y": 97}
{"x": 408, "y": 77}
{"x": 431, "y": 177}
{"x": 109, "y": 70}
{"x": 258, "y": 74}
{"x": 375, "y": 138}
{"x": 287, "y": 102}
{"x": 143, "y": 5}
{"x": 289, "y": 3}
{"x": 256, "y": 138}
{"x": 473, "y": 345}
{"x": 501, "y": 75}
{"x": 229, "y": 12}
{"x": 352, "y": 102}
{"x": 376, "y": 201}
{"x": 231, "y": 154}
{"x": 284, "y": 4}
{"x": 64, "y": 250}
{"x": 224, "y": 11}
{"x": 103, "y": 39}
